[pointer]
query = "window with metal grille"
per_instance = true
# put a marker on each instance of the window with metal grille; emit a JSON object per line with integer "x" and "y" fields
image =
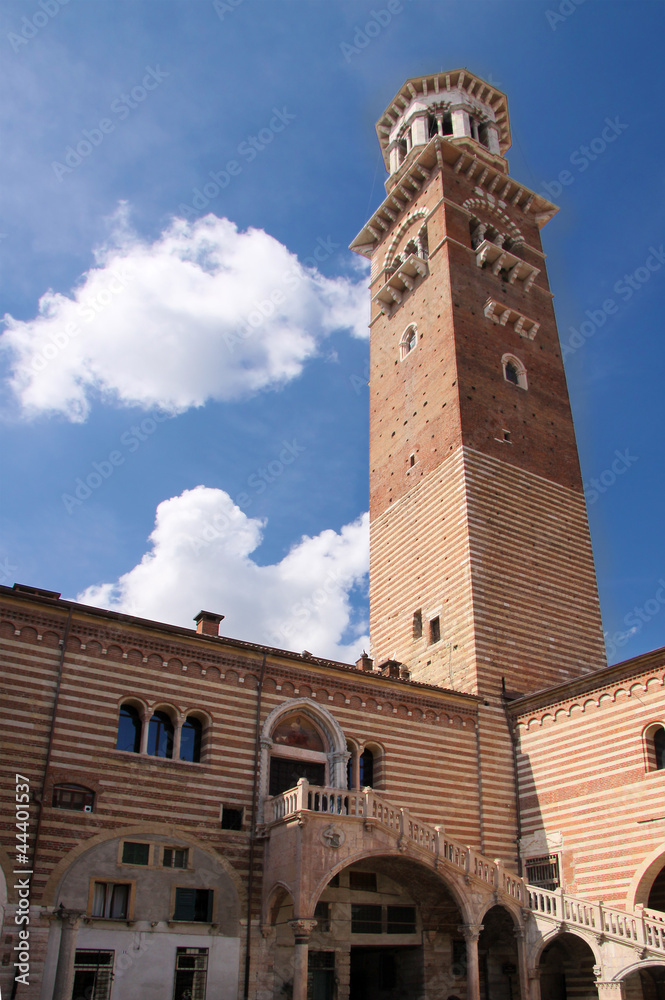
{"x": 321, "y": 975}
{"x": 543, "y": 871}
{"x": 191, "y": 969}
{"x": 93, "y": 974}
{"x": 193, "y": 904}
{"x": 175, "y": 857}
{"x": 362, "y": 881}
{"x": 73, "y": 797}
{"x": 401, "y": 920}
{"x": 365, "y": 919}
{"x": 135, "y": 854}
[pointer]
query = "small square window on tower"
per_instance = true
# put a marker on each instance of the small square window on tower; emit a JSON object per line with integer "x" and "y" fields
{"x": 434, "y": 629}
{"x": 506, "y": 437}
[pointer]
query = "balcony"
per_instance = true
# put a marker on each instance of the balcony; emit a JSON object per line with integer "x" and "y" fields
{"x": 502, "y": 260}
{"x": 400, "y": 282}
{"x": 347, "y": 815}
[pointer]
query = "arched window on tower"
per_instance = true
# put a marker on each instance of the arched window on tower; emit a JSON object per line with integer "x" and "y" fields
{"x": 514, "y": 371}
{"x": 129, "y": 729}
{"x": 160, "y": 735}
{"x": 408, "y": 342}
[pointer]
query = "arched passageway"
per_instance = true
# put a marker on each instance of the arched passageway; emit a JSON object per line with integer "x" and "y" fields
{"x": 566, "y": 970}
{"x": 647, "y": 983}
{"x": 387, "y": 929}
{"x": 656, "y": 900}
{"x": 498, "y": 957}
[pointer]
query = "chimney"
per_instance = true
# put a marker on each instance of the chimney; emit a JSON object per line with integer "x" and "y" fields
{"x": 207, "y": 623}
{"x": 365, "y": 662}
{"x": 390, "y": 668}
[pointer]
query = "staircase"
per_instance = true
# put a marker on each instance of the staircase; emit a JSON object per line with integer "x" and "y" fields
{"x": 640, "y": 928}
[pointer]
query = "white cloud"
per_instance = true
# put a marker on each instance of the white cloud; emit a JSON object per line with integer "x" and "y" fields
{"x": 205, "y": 312}
{"x": 200, "y": 558}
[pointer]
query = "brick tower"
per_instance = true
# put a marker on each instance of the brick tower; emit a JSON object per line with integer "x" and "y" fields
{"x": 481, "y": 563}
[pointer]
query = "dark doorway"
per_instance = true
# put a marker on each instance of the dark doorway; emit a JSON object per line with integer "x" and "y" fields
{"x": 386, "y": 973}
{"x": 566, "y": 970}
{"x": 321, "y": 975}
{"x": 285, "y": 773}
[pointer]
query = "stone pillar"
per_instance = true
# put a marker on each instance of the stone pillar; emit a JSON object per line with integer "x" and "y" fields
{"x": 520, "y": 935}
{"x": 419, "y": 130}
{"x": 343, "y": 973}
{"x": 145, "y": 723}
{"x": 613, "y": 990}
{"x": 64, "y": 974}
{"x": 461, "y": 124}
{"x": 301, "y": 932}
{"x": 177, "y": 736}
{"x": 471, "y": 934}
{"x": 534, "y": 984}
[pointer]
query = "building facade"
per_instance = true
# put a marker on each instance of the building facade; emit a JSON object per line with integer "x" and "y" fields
{"x": 474, "y": 810}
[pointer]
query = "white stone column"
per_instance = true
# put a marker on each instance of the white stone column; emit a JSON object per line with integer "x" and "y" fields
{"x": 177, "y": 736}
{"x": 461, "y": 124}
{"x": 64, "y": 974}
{"x": 301, "y": 932}
{"x": 145, "y": 724}
{"x": 419, "y": 130}
{"x": 471, "y": 934}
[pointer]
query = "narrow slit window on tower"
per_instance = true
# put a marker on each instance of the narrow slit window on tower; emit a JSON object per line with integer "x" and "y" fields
{"x": 417, "y": 624}
{"x": 446, "y": 123}
{"x": 412, "y": 461}
{"x": 434, "y": 629}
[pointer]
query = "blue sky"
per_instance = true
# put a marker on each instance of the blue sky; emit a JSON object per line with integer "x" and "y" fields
{"x": 200, "y": 341}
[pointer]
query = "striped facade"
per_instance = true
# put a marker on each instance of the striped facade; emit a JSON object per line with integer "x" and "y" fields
{"x": 474, "y": 811}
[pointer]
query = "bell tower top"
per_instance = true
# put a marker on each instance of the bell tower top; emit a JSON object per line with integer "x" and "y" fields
{"x": 457, "y": 105}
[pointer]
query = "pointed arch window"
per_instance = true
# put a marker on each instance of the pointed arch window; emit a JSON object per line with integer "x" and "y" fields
{"x": 298, "y": 751}
{"x": 514, "y": 371}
